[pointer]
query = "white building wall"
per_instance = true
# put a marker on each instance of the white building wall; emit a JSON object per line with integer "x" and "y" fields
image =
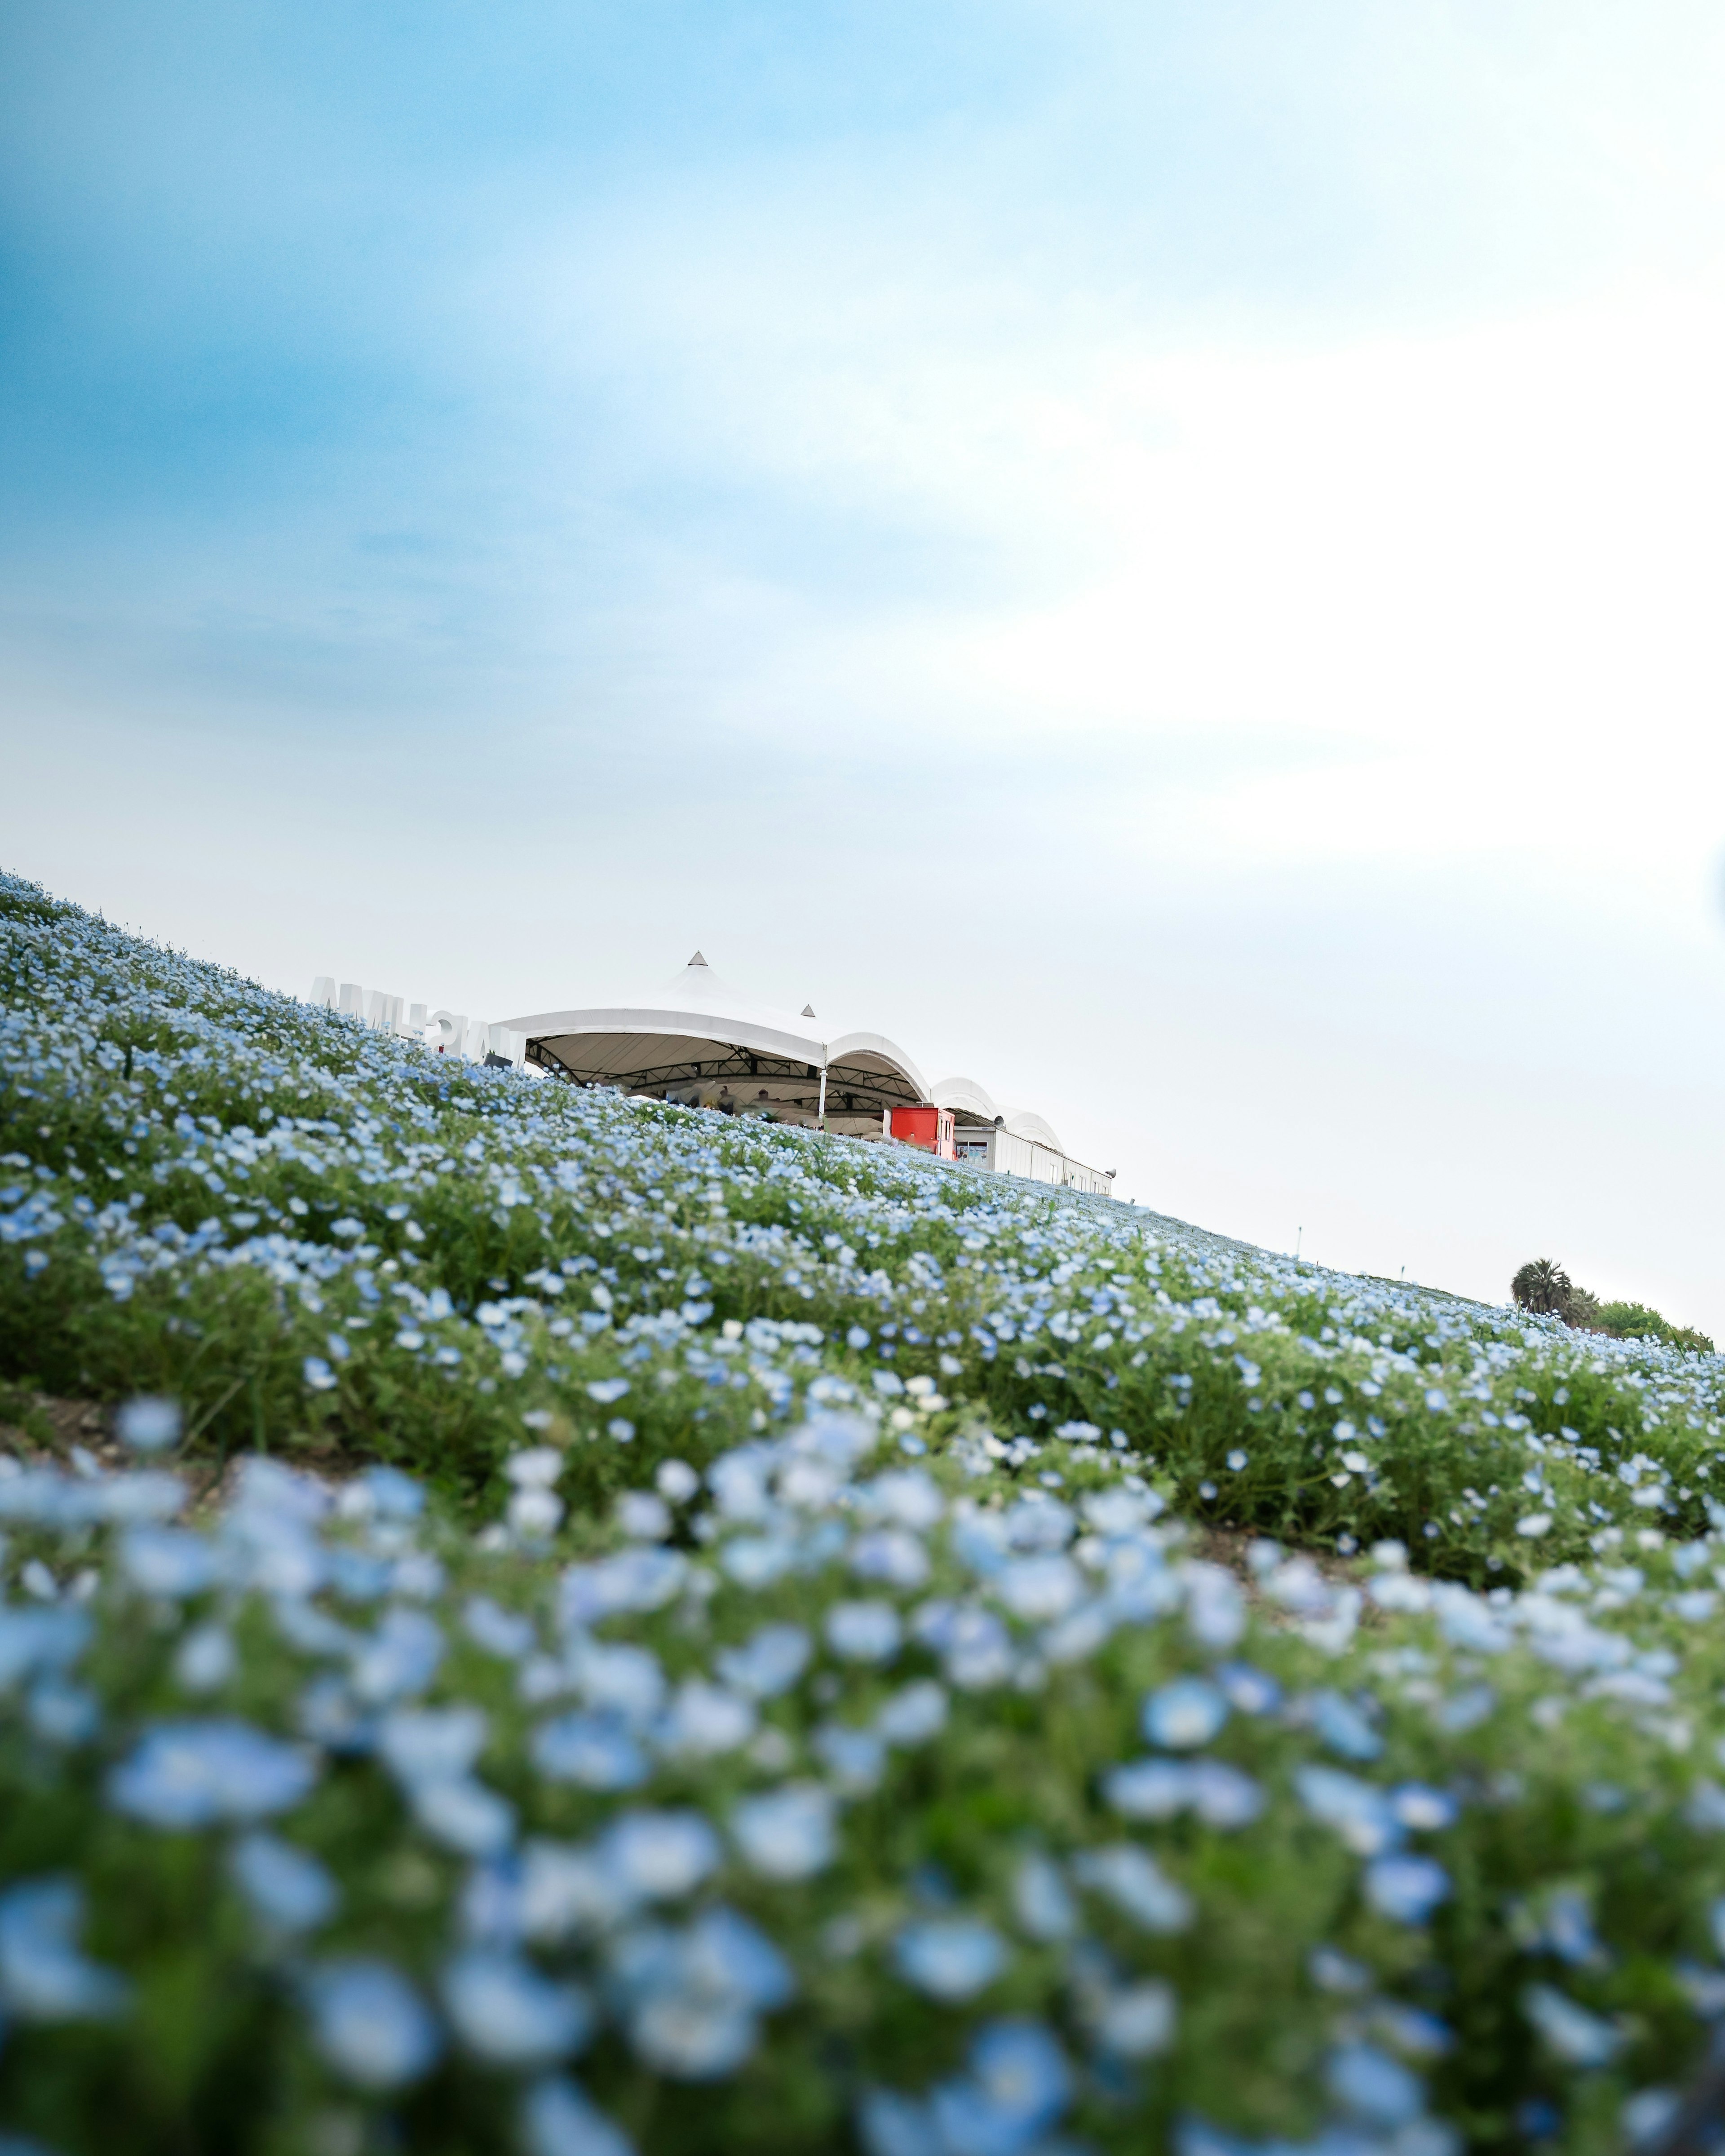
{"x": 1008, "y": 1154}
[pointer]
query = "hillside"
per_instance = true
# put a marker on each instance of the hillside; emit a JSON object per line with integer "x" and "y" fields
{"x": 695, "y": 1635}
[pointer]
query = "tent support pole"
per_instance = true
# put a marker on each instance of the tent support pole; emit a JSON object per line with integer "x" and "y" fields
{"x": 823, "y": 1095}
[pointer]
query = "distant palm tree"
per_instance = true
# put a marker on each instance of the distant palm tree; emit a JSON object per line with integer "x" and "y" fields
{"x": 1543, "y": 1285}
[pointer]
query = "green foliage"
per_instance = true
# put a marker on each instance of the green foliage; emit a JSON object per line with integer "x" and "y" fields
{"x": 1634, "y": 1321}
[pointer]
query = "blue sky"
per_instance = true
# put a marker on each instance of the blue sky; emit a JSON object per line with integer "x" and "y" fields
{"x": 1166, "y": 556}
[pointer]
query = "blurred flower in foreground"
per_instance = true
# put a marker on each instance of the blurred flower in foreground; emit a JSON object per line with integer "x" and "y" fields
{"x": 951, "y": 1958}
{"x": 557, "y": 2119}
{"x": 43, "y": 1977}
{"x": 190, "y": 1773}
{"x": 369, "y": 2024}
{"x": 148, "y": 1424}
{"x": 287, "y": 1888}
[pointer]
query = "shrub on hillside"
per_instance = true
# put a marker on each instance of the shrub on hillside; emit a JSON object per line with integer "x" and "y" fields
{"x": 1635, "y": 1321}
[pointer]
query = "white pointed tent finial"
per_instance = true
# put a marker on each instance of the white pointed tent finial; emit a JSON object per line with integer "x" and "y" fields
{"x": 808, "y": 1010}
{"x": 697, "y": 960}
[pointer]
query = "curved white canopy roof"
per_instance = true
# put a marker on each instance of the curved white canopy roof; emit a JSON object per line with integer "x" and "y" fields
{"x": 634, "y": 1038}
{"x": 966, "y": 1097}
{"x": 697, "y": 1029}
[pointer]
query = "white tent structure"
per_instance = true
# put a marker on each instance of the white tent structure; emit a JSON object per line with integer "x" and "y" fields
{"x": 700, "y": 1042}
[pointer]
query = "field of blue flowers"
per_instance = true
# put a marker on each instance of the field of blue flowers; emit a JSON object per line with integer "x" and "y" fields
{"x": 614, "y": 1628}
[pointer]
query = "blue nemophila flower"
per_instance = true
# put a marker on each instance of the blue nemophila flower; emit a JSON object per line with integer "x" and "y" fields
{"x": 1579, "y": 2038}
{"x": 691, "y": 2035}
{"x": 1372, "y": 2085}
{"x": 431, "y": 1744}
{"x": 1148, "y": 1789}
{"x": 620, "y": 1679}
{"x": 723, "y": 1952}
{"x": 188, "y": 1774}
{"x": 593, "y": 1750}
{"x": 855, "y": 1759}
{"x": 893, "y": 1556}
{"x": 559, "y": 2119}
{"x": 892, "y": 2124}
{"x": 1406, "y": 1888}
{"x": 1134, "y": 2021}
{"x": 951, "y": 1958}
{"x": 44, "y": 1974}
{"x": 1342, "y": 1727}
{"x": 1018, "y": 2085}
{"x": 1359, "y": 1811}
{"x": 913, "y": 1715}
{"x": 974, "y": 1646}
{"x": 640, "y": 1579}
{"x": 508, "y": 2013}
{"x": 769, "y": 1663}
{"x": 205, "y": 1659}
{"x": 61, "y": 1713}
{"x": 1331, "y": 1971}
{"x": 640, "y": 1515}
{"x": 1415, "y": 2033}
{"x": 788, "y": 1833}
{"x": 1130, "y": 1878}
{"x": 318, "y": 1374}
{"x": 1647, "y": 2113}
{"x": 558, "y": 1890}
{"x": 399, "y": 1659}
{"x": 1566, "y": 1928}
{"x": 1039, "y": 1589}
{"x": 170, "y": 1562}
{"x": 1042, "y": 1902}
{"x": 676, "y": 1480}
{"x": 1424, "y": 1810}
{"x": 464, "y": 1815}
{"x": 501, "y": 1632}
{"x": 393, "y": 1496}
{"x": 42, "y": 1642}
{"x": 369, "y": 2024}
{"x": 863, "y": 1631}
{"x": 1184, "y": 1714}
{"x": 148, "y": 1424}
{"x": 1249, "y": 1691}
{"x": 692, "y": 1997}
{"x": 608, "y": 1390}
{"x": 287, "y": 1887}
{"x": 1159, "y": 1789}
{"x": 660, "y": 1855}
{"x": 1216, "y": 1607}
